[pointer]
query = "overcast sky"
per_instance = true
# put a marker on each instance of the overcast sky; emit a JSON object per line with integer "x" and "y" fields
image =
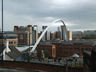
{"x": 77, "y": 14}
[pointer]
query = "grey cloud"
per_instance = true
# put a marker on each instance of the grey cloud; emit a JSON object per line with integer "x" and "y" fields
{"x": 80, "y": 12}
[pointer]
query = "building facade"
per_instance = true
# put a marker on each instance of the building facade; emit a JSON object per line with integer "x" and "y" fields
{"x": 34, "y": 34}
{"x": 63, "y": 49}
{"x": 77, "y": 35}
{"x": 64, "y": 33}
{"x": 45, "y": 36}
{"x": 11, "y": 38}
{"x": 69, "y": 35}
{"x": 26, "y": 34}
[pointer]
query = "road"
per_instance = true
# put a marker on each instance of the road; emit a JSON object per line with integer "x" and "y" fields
{"x": 18, "y": 70}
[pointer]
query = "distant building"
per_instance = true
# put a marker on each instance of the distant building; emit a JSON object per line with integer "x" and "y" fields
{"x": 56, "y": 35}
{"x": 34, "y": 34}
{"x": 90, "y": 32}
{"x": 24, "y": 34}
{"x": 64, "y": 33}
{"x": 69, "y": 35}
{"x": 64, "y": 49}
{"x": 48, "y": 35}
{"x": 77, "y": 35}
{"x": 11, "y": 38}
{"x": 45, "y": 36}
{"x": 51, "y": 36}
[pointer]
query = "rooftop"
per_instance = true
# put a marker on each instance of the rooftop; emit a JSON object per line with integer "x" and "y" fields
{"x": 8, "y": 34}
{"x": 82, "y": 42}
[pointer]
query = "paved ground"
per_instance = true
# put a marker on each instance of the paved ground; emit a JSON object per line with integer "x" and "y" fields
{"x": 17, "y": 70}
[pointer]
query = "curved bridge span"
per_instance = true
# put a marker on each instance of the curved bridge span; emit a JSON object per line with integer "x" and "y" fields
{"x": 53, "y": 24}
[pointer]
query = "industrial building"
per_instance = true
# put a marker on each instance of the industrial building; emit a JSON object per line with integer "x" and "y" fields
{"x": 64, "y": 49}
{"x": 10, "y": 37}
{"x": 26, "y": 35}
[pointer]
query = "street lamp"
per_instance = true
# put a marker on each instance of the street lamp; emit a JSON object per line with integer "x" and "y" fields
{"x": 2, "y": 33}
{"x": 53, "y": 24}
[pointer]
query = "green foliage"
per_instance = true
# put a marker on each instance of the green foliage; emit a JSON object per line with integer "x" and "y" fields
{"x": 89, "y": 37}
{"x": 47, "y": 54}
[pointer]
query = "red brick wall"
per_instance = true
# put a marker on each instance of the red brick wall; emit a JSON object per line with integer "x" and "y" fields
{"x": 65, "y": 50}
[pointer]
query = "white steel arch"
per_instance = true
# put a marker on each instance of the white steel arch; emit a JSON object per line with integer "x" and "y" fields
{"x": 53, "y": 24}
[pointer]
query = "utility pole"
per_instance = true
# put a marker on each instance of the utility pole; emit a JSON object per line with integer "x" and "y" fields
{"x": 2, "y": 32}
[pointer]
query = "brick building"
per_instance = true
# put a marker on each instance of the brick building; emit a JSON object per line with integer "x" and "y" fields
{"x": 77, "y": 35}
{"x": 34, "y": 34}
{"x": 26, "y": 34}
{"x": 10, "y": 37}
{"x": 64, "y": 49}
{"x": 50, "y": 49}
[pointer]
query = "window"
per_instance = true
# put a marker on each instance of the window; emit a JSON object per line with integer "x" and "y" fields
{"x": 21, "y": 36}
{"x": 10, "y": 42}
{"x": 15, "y": 42}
